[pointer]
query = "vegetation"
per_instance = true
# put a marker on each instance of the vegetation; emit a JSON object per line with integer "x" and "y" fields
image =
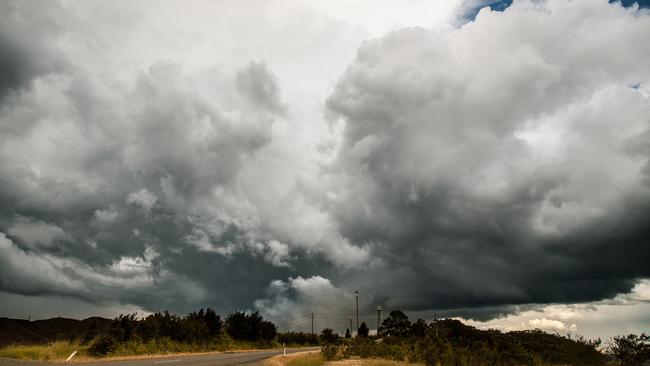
{"x": 328, "y": 336}
{"x": 449, "y": 342}
{"x": 296, "y": 359}
{"x": 293, "y": 339}
{"x": 311, "y": 359}
{"x": 438, "y": 343}
{"x": 53, "y": 351}
{"x": 631, "y": 349}
{"x": 197, "y": 331}
{"x": 363, "y": 330}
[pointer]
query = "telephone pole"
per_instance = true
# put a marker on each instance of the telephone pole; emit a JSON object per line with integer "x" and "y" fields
{"x": 378, "y": 318}
{"x": 356, "y": 293}
{"x": 312, "y": 323}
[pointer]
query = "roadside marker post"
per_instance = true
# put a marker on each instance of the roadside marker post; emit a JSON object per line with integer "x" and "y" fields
{"x": 284, "y": 349}
{"x": 71, "y": 355}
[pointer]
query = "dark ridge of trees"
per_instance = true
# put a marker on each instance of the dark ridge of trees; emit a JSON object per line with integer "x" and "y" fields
{"x": 198, "y": 327}
{"x": 298, "y": 339}
{"x": 449, "y": 342}
{"x": 250, "y": 327}
{"x": 23, "y": 331}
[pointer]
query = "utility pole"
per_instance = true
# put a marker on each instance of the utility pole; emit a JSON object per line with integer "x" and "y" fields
{"x": 356, "y": 293}
{"x": 312, "y": 323}
{"x": 378, "y": 318}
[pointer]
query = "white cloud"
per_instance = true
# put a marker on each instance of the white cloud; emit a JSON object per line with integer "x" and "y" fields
{"x": 106, "y": 216}
{"x": 627, "y": 313}
{"x": 143, "y": 198}
{"x": 278, "y": 254}
{"x": 298, "y": 297}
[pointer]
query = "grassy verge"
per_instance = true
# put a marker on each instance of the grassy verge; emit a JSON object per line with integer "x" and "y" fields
{"x": 296, "y": 359}
{"x": 53, "y": 351}
{"x": 58, "y": 351}
{"x": 356, "y": 361}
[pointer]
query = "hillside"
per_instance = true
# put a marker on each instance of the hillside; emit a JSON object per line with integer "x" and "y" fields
{"x": 20, "y": 331}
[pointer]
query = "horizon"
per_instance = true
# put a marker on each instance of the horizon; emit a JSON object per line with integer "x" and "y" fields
{"x": 474, "y": 159}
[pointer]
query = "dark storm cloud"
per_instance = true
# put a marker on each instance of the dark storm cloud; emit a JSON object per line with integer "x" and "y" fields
{"x": 105, "y": 183}
{"x": 25, "y": 33}
{"x": 486, "y": 182}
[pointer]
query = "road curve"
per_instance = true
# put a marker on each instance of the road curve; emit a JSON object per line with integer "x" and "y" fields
{"x": 212, "y": 359}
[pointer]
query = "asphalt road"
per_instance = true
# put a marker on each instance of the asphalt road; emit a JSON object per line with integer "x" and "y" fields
{"x": 215, "y": 359}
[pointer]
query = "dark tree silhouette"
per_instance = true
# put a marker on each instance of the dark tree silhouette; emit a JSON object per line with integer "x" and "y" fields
{"x": 347, "y": 333}
{"x": 328, "y": 336}
{"x": 249, "y": 327}
{"x": 631, "y": 350}
{"x": 419, "y": 328}
{"x": 363, "y": 330}
{"x": 397, "y": 324}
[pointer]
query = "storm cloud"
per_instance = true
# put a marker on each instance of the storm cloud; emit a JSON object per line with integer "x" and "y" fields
{"x": 470, "y": 168}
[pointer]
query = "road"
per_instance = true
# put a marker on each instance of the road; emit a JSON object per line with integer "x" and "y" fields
{"x": 214, "y": 359}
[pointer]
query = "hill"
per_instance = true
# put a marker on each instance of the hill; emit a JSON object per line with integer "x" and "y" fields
{"x": 21, "y": 331}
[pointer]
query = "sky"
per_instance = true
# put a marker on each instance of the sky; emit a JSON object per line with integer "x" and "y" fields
{"x": 485, "y": 160}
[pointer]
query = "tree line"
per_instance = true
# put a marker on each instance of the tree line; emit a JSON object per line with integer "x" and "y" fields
{"x": 198, "y": 327}
{"x": 449, "y": 342}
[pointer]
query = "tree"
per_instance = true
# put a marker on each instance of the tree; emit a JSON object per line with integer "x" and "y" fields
{"x": 363, "y": 330}
{"x": 268, "y": 330}
{"x": 419, "y": 328}
{"x": 328, "y": 336}
{"x": 249, "y": 327}
{"x": 237, "y": 325}
{"x": 631, "y": 350}
{"x": 213, "y": 321}
{"x": 347, "y": 333}
{"x": 397, "y": 324}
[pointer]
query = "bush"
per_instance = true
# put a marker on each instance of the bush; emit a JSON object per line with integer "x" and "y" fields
{"x": 631, "y": 350}
{"x": 102, "y": 346}
{"x": 328, "y": 336}
{"x": 331, "y": 352}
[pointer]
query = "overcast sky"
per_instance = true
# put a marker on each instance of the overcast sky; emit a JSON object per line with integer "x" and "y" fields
{"x": 438, "y": 156}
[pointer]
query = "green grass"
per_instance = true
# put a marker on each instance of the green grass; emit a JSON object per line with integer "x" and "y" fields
{"x": 312, "y": 359}
{"x": 53, "y": 351}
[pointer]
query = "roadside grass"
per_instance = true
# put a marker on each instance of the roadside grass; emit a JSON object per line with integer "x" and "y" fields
{"x": 356, "y": 361}
{"x": 50, "y": 352}
{"x": 60, "y": 350}
{"x": 314, "y": 358}
{"x": 310, "y": 359}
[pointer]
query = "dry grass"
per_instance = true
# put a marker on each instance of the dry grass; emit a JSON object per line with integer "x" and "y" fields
{"x": 52, "y": 352}
{"x": 355, "y": 361}
{"x": 59, "y": 351}
{"x": 312, "y": 358}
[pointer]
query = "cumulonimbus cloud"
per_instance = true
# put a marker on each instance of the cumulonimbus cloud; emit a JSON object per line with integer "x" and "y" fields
{"x": 501, "y": 162}
{"x": 492, "y": 162}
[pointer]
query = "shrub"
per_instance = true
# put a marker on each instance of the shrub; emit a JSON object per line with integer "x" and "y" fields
{"x": 631, "y": 350}
{"x": 102, "y": 346}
